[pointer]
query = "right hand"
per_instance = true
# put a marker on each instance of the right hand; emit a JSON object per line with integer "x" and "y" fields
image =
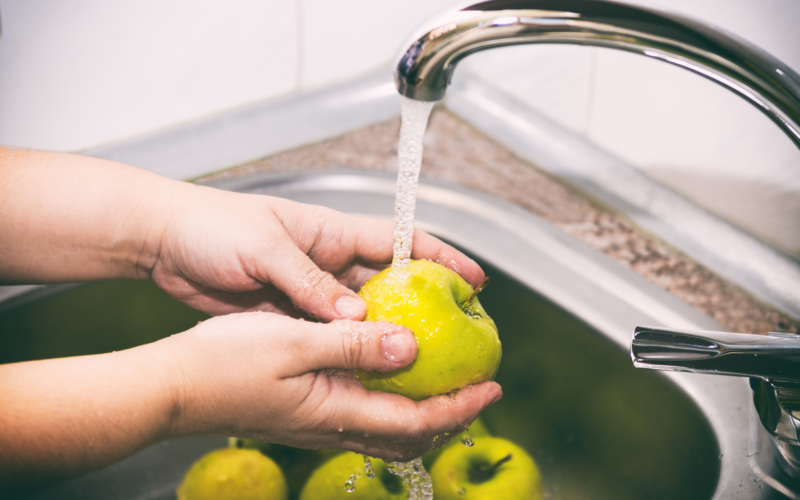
{"x": 274, "y": 378}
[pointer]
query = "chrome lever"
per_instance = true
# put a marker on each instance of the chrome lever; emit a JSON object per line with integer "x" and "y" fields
{"x": 775, "y": 356}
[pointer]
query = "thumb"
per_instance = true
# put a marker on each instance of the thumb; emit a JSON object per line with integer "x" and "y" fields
{"x": 349, "y": 345}
{"x": 311, "y": 289}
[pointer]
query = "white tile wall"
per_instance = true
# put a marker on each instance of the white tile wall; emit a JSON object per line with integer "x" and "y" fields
{"x": 78, "y": 73}
{"x": 345, "y": 38}
{"x": 556, "y": 80}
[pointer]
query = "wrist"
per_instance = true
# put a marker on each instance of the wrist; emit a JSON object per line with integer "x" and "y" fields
{"x": 180, "y": 376}
{"x": 153, "y": 222}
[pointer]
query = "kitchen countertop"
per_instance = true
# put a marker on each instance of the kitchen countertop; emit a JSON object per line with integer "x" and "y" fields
{"x": 456, "y": 153}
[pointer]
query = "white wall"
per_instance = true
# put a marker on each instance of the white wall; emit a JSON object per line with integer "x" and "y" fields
{"x": 80, "y": 73}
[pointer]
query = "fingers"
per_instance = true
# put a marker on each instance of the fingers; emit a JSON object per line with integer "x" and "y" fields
{"x": 375, "y": 245}
{"x": 428, "y": 247}
{"x": 395, "y": 428}
{"x": 315, "y": 291}
{"x": 351, "y": 345}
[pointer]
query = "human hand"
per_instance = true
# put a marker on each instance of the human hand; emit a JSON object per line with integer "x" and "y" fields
{"x": 263, "y": 376}
{"x": 225, "y": 252}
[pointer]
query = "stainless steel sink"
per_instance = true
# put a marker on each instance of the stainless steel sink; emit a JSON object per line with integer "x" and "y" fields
{"x": 597, "y": 427}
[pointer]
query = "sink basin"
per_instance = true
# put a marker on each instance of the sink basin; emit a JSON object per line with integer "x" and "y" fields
{"x": 597, "y": 427}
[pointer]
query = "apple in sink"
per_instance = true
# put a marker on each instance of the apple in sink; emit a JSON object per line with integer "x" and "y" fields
{"x": 232, "y": 473}
{"x": 493, "y": 468}
{"x": 344, "y": 477}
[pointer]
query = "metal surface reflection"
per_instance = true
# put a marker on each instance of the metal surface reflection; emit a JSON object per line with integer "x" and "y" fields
{"x": 426, "y": 62}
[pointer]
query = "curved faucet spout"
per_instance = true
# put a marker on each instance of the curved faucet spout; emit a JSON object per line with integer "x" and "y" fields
{"x": 425, "y": 65}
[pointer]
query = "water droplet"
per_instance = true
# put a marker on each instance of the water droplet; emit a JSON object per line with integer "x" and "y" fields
{"x": 341, "y": 428}
{"x": 350, "y": 484}
{"x": 368, "y": 467}
{"x": 467, "y": 440}
{"x": 462, "y": 492}
{"x": 757, "y": 480}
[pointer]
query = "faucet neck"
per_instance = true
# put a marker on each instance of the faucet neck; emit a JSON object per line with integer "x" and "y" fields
{"x": 425, "y": 66}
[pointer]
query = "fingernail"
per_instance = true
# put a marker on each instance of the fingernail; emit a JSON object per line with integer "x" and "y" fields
{"x": 349, "y": 307}
{"x": 399, "y": 347}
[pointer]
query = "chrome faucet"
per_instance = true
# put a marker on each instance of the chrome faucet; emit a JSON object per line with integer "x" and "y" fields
{"x": 425, "y": 64}
{"x": 424, "y": 68}
{"x": 771, "y": 361}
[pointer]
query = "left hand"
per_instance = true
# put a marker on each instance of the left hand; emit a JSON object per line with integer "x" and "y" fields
{"x": 225, "y": 252}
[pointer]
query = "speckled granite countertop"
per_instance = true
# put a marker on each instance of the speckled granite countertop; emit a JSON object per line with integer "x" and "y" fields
{"x": 456, "y": 153}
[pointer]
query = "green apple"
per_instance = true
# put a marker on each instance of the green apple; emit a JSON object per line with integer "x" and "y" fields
{"x": 476, "y": 429}
{"x": 328, "y": 481}
{"x": 457, "y": 341}
{"x": 492, "y": 469}
{"x": 296, "y": 463}
{"x": 232, "y": 473}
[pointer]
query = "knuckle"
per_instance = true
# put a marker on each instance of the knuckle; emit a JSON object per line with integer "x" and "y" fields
{"x": 354, "y": 343}
{"x": 354, "y": 351}
{"x": 315, "y": 282}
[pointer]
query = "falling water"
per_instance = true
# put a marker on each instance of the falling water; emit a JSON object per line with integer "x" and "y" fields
{"x": 416, "y": 479}
{"x": 350, "y": 484}
{"x": 368, "y": 467}
{"x": 414, "y": 115}
{"x": 414, "y": 121}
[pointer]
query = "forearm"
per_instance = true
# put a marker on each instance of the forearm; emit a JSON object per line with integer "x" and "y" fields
{"x": 63, "y": 417}
{"x": 74, "y": 218}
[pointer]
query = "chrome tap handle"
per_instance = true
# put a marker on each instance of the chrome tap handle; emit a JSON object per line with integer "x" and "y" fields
{"x": 775, "y": 356}
{"x": 424, "y": 66}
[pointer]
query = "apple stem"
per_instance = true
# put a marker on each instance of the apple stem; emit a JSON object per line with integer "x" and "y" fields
{"x": 477, "y": 290}
{"x": 485, "y": 473}
{"x": 500, "y": 462}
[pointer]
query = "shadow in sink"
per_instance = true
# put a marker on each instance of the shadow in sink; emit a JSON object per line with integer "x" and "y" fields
{"x": 91, "y": 319}
{"x": 597, "y": 427}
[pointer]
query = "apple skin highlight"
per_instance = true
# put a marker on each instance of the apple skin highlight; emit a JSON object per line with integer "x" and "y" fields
{"x": 457, "y": 342}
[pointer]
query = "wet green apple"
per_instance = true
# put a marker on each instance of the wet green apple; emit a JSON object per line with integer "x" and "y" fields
{"x": 457, "y": 341}
{"x": 296, "y": 463}
{"x": 232, "y": 473}
{"x": 494, "y": 468}
{"x": 328, "y": 481}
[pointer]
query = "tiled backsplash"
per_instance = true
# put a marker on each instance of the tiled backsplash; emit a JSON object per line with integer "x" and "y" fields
{"x": 79, "y": 73}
